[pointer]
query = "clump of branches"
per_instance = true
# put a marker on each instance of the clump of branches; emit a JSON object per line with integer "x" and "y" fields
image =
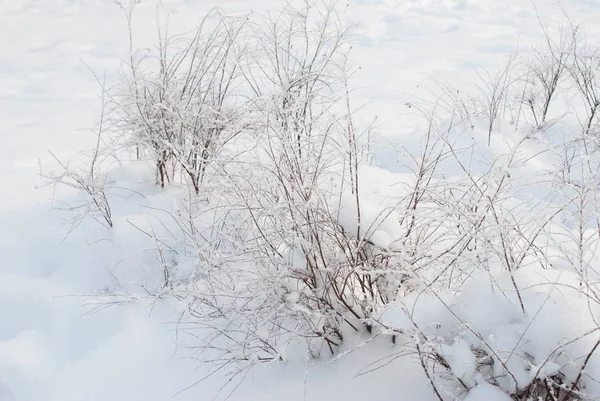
{"x": 311, "y": 279}
{"x": 90, "y": 180}
{"x": 178, "y": 106}
{"x": 545, "y": 74}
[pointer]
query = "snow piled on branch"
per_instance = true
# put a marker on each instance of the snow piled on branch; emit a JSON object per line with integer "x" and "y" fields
{"x": 379, "y": 195}
{"x": 487, "y": 345}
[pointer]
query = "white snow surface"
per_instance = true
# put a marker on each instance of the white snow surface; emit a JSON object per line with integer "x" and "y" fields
{"x": 54, "y": 347}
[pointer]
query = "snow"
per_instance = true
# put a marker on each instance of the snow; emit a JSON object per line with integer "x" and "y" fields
{"x": 487, "y": 392}
{"x": 55, "y": 345}
{"x": 378, "y": 225}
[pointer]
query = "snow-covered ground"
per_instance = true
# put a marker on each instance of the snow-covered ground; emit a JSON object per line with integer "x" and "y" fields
{"x": 52, "y": 346}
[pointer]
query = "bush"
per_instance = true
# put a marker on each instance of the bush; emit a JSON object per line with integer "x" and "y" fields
{"x": 459, "y": 262}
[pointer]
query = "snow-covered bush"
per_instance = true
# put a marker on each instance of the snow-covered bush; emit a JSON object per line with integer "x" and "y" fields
{"x": 479, "y": 258}
{"x": 304, "y": 260}
{"x": 177, "y": 105}
{"x": 506, "y": 306}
